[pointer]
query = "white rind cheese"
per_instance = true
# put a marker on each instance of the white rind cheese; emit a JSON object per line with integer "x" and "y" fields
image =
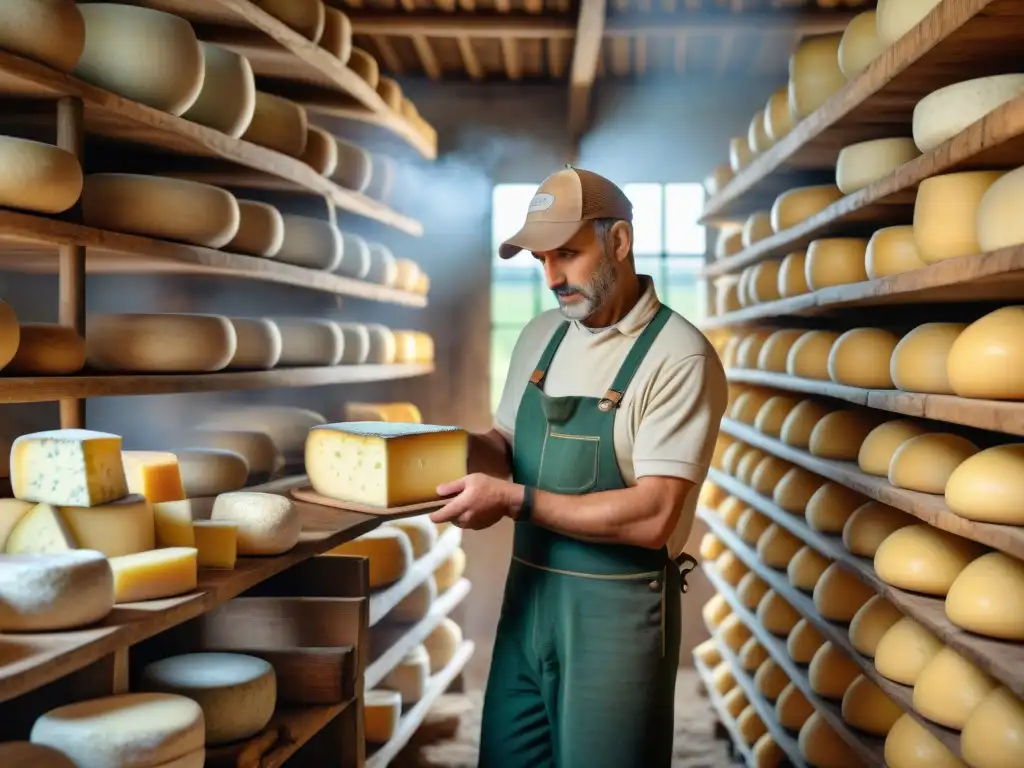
{"x": 72, "y": 467}
{"x": 416, "y": 605}
{"x": 999, "y": 222}
{"x": 411, "y": 676}
{"x": 35, "y": 176}
{"x": 227, "y": 100}
{"x": 167, "y": 343}
{"x": 287, "y": 426}
{"x": 944, "y": 113}
{"x": 49, "y": 593}
{"x": 356, "y": 348}
{"x": 860, "y": 165}
{"x": 310, "y": 341}
{"x": 355, "y": 164}
{"x": 258, "y": 344}
{"x": 442, "y": 644}
{"x": 258, "y": 450}
{"x": 311, "y": 243}
{"x": 383, "y": 348}
{"x": 268, "y": 524}
{"x": 383, "y": 265}
{"x": 355, "y": 259}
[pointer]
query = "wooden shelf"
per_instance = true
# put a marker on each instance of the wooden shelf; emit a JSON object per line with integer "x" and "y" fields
{"x": 993, "y": 415}
{"x": 384, "y": 600}
{"x": 413, "y": 717}
{"x": 745, "y": 753}
{"x": 118, "y": 118}
{"x": 959, "y": 40}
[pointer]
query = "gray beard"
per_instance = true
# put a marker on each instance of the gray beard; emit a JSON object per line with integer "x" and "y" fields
{"x": 600, "y": 286}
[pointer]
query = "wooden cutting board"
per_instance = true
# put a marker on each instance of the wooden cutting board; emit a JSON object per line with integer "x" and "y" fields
{"x": 307, "y": 494}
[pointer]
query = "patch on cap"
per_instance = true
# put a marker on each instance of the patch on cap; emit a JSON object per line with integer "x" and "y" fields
{"x": 541, "y": 202}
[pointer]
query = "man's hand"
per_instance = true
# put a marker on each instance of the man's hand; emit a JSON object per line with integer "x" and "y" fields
{"x": 481, "y": 502}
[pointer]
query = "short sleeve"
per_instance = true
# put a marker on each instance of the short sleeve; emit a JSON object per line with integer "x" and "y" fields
{"x": 679, "y": 426}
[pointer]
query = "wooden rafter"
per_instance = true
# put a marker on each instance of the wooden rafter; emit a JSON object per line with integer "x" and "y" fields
{"x": 590, "y": 29}
{"x": 427, "y": 57}
{"x": 469, "y": 58}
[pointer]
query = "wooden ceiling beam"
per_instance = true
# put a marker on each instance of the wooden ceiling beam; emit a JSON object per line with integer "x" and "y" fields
{"x": 590, "y": 31}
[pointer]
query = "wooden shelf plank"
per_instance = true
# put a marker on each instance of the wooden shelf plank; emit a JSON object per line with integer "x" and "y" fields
{"x": 958, "y": 40}
{"x": 384, "y": 600}
{"x": 118, "y": 118}
{"x": 413, "y": 717}
{"x": 724, "y": 718}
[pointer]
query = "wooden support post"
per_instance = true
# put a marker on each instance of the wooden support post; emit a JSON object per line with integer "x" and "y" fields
{"x": 71, "y": 275}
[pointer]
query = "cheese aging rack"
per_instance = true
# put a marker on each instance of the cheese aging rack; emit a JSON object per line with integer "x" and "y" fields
{"x": 864, "y": 302}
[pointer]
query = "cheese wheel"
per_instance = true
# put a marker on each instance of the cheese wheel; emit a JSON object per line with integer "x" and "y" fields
{"x": 304, "y": 16}
{"x": 726, "y": 300}
{"x": 10, "y": 337}
{"x": 757, "y": 137}
{"x": 920, "y": 361}
{"x": 831, "y": 672}
{"x": 793, "y": 275}
{"x": 383, "y": 266}
{"x": 920, "y": 558}
{"x": 911, "y": 745}
{"x": 924, "y": 463}
{"x": 163, "y": 208}
{"x": 904, "y": 650}
{"x": 944, "y": 113}
{"x": 167, "y": 343}
{"x": 227, "y": 99}
{"x": 258, "y": 450}
{"x": 871, "y": 622}
{"x": 764, "y": 281}
{"x": 260, "y": 230}
{"x": 999, "y": 226}
{"x": 809, "y": 355}
{"x": 321, "y": 152}
{"x": 803, "y": 642}
{"x": 715, "y": 181}
{"x": 792, "y": 708}
{"x": 751, "y": 589}
{"x": 775, "y": 350}
{"x": 24, "y": 754}
{"x": 407, "y": 274}
{"x": 147, "y": 56}
{"x": 48, "y": 31}
{"x": 729, "y": 243}
{"x": 382, "y": 713}
{"x": 881, "y": 443}
{"x": 748, "y": 405}
{"x": 391, "y": 92}
{"x": 287, "y": 426}
{"x": 365, "y": 66}
{"x": 839, "y": 594}
{"x": 777, "y": 119}
{"x": 751, "y": 525}
{"x": 384, "y": 172}
{"x": 711, "y": 495}
{"x": 733, "y": 632}
{"x": 987, "y": 359}
{"x": 797, "y": 428}
{"x": 278, "y": 124}
{"x": 796, "y": 489}
{"x": 776, "y": 615}
{"x": 752, "y": 655}
{"x": 356, "y": 350}
{"x": 945, "y": 214}
{"x": 987, "y": 487}
{"x": 750, "y": 726}
{"x": 735, "y": 701}
{"x": 731, "y": 568}
{"x": 840, "y": 434}
{"x": 892, "y": 251}
{"x": 722, "y": 678}
{"x": 859, "y": 45}
{"x": 714, "y": 611}
{"x": 798, "y": 205}
{"x": 743, "y": 287}
{"x": 707, "y": 653}
{"x": 311, "y": 243}
{"x": 868, "y": 708}
{"x": 355, "y": 257}
{"x": 35, "y": 176}
{"x": 894, "y": 18}
{"x": 740, "y": 155}
{"x": 814, "y": 74}
{"x": 209, "y": 471}
{"x": 806, "y": 568}
{"x": 47, "y": 349}
{"x": 830, "y": 507}
{"x": 268, "y": 524}
{"x": 309, "y": 341}
{"x": 860, "y": 165}
{"x": 451, "y": 571}
{"x": 731, "y": 510}
{"x": 949, "y": 688}
{"x": 258, "y": 344}
{"x": 860, "y": 358}
{"x": 870, "y": 525}
{"x": 337, "y": 36}
{"x": 821, "y": 746}
{"x": 835, "y": 261}
{"x": 355, "y": 166}
{"x": 770, "y": 679}
{"x": 768, "y": 473}
{"x": 757, "y": 227}
{"x": 767, "y": 753}
{"x": 777, "y": 547}
{"x": 992, "y": 735}
{"x": 773, "y": 414}
{"x": 731, "y": 457}
{"x": 987, "y": 597}
{"x": 55, "y": 591}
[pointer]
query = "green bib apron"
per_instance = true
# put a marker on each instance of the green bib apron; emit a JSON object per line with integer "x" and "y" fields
{"x": 587, "y": 647}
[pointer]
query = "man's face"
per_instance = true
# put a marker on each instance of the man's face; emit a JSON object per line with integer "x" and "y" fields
{"x": 582, "y": 274}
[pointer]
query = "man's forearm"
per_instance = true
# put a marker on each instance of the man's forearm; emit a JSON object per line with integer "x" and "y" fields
{"x": 489, "y": 454}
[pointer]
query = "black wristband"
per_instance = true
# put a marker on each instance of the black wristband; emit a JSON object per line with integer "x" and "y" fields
{"x": 526, "y": 509}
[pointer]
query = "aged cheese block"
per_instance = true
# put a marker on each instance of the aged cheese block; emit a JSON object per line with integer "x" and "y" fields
{"x": 237, "y": 693}
{"x": 991, "y": 737}
{"x": 924, "y": 463}
{"x": 708, "y": 653}
{"x": 876, "y": 617}
{"x": 892, "y": 251}
{"x": 365, "y": 66}
{"x": 750, "y": 726}
{"x": 751, "y": 525}
{"x": 757, "y": 227}
{"x": 167, "y": 343}
{"x": 73, "y": 467}
{"x": 835, "y": 261}
{"x": 54, "y": 592}
{"x": 154, "y": 575}
{"x": 860, "y": 165}
{"x": 740, "y": 155}
{"x": 949, "y": 688}
{"x": 770, "y": 679}
{"x": 878, "y": 447}
{"x": 777, "y": 119}
{"x": 337, "y": 36}
{"x": 227, "y": 100}
{"x": 870, "y": 525}
{"x": 831, "y": 672}
{"x": 803, "y": 642}
{"x": 859, "y": 45}
{"x": 944, "y": 113}
{"x": 831, "y": 506}
{"x": 894, "y": 18}
{"x": 173, "y": 521}
{"x": 355, "y": 259}
{"x": 757, "y": 137}
{"x": 793, "y": 275}
{"x": 304, "y": 16}
{"x": 35, "y": 176}
{"x": 911, "y": 745}
{"x": 820, "y": 745}
{"x": 166, "y": 209}
{"x": 321, "y": 151}
{"x": 945, "y": 214}
{"x": 919, "y": 361}
{"x": 987, "y": 597}
{"x": 987, "y": 487}
{"x": 985, "y": 361}
{"x": 260, "y": 230}
{"x": 355, "y": 166}
{"x": 924, "y": 559}
{"x": 809, "y": 355}
{"x": 839, "y": 594}
{"x": 796, "y": 489}
{"x": 999, "y": 226}
{"x": 840, "y": 434}
{"x": 383, "y": 266}
{"x": 47, "y": 349}
{"x": 278, "y": 124}
{"x": 715, "y": 181}
{"x": 147, "y": 56}
{"x": 792, "y": 708}
{"x": 797, "y": 428}
{"x": 777, "y": 616}
{"x": 382, "y": 344}
{"x": 216, "y": 542}
{"x": 814, "y": 74}
{"x": 806, "y": 568}
{"x": 731, "y": 568}
{"x": 48, "y": 31}
{"x": 356, "y": 349}
{"x": 751, "y": 589}
{"x": 268, "y": 524}
{"x": 286, "y": 426}
{"x": 411, "y": 676}
{"x": 309, "y": 341}
{"x": 797, "y": 205}
{"x": 868, "y": 708}
{"x": 388, "y": 550}
{"x": 24, "y": 754}
{"x": 773, "y": 414}
{"x": 860, "y": 358}
{"x": 211, "y": 471}
{"x": 768, "y": 473}
{"x": 382, "y": 711}
{"x": 258, "y": 344}
{"x": 312, "y": 243}
{"x": 257, "y": 448}
{"x": 122, "y": 527}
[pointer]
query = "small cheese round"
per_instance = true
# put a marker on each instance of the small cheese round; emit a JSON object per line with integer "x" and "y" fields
{"x": 735, "y": 701}
{"x": 268, "y": 524}
{"x": 859, "y": 45}
{"x": 745, "y": 469}
{"x": 752, "y": 524}
{"x": 924, "y": 559}
{"x": 876, "y": 451}
{"x": 777, "y": 547}
{"x": 904, "y": 650}
{"x": 776, "y": 615}
{"x": 822, "y": 746}
{"x": 999, "y": 225}
{"x": 743, "y": 289}
{"x": 796, "y": 489}
{"x": 924, "y": 463}
{"x": 259, "y": 451}
{"x": 278, "y": 124}
{"x": 839, "y": 594}
{"x": 227, "y": 100}
{"x": 304, "y": 16}
{"x": 260, "y": 230}
{"x": 752, "y": 655}
{"x": 773, "y": 414}
{"x": 871, "y": 622}
{"x": 733, "y": 632}
{"x": 54, "y": 592}
{"x": 321, "y": 152}
{"x": 768, "y": 473}
{"x": 355, "y": 166}
{"x": 770, "y": 679}
{"x": 911, "y": 745}
{"x": 987, "y": 359}
{"x": 740, "y": 155}
{"x": 35, "y": 176}
{"x": 209, "y": 471}
{"x": 47, "y": 349}
{"x": 840, "y": 434}
{"x": 723, "y": 443}
{"x": 860, "y": 165}
{"x": 48, "y": 31}
{"x": 337, "y": 36}
{"x": 831, "y": 506}
{"x": 831, "y": 672}
{"x": 764, "y": 281}
{"x": 707, "y": 653}
{"x": 806, "y": 568}
{"x": 860, "y": 358}
{"x": 365, "y": 66}
{"x": 836, "y": 261}
{"x": 945, "y": 214}
{"x": 792, "y": 708}
{"x": 749, "y": 349}
{"x": 892, "y": 251}
{"x": 949, "y": 688}
{"x": 775, "y": 349}
{"x": 715, "y": 181}
{"x": 750, "y": 726}
{"x": 757, "y": 137}
{"x": 451, "y": 571}
{"x": 258, "y": 344}
{"x": 803, "y": 642}
{"x": 731, "y": 568}
{"x": 868, "y": 708}
{"x": 798, "y": 205}
{"x": 310, "y": 341}
{"x": 747, "y": 405}
{"x": 167, "y": 343}
{"x": 383, "y": 265}
{"x": 894, "y": 18}
{"x": 731, "y": 510}
{"x": 722, "y": 678}
{"x": 944, "y": 113}
{"x": 987, "y": 598}
{"x": 989, "y": 485}
{"x": 312, "y": 243}
{"x": 814, "y": 74}
{"x": 727, "y": 300}
{"x": 391, "y": 92}
{"x": 993, "y": 736}
{"x": 767, "y": 753}
{"x": 757, "y": 227}
{"x": 751, "y": 589}
{"x": 732, "y": 455}
{"x": 777, "y": 119}
{"x": 711, "y": 495}
{"x": 793, "y": 275}
{"x": 728, "y": 243}
{"x": 714, "y": 612}
{"x": 797, "y": 428}
{"x": 919, "y": 362}
{"x": 870, "y": 525}
{"x": 808, "y": 357}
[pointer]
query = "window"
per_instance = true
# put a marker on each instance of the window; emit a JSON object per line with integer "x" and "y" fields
{"x": 669, "y": 246}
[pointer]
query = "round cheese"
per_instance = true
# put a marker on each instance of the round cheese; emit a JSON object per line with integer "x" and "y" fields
{"x": 383, "y": 266}
{"x": 764, "y": 281}
{"x": 355, "y": 166}
{"x": 35, "y": 176}
{"x": 48, "y": 31}
{"x": 836, "y": 261}
{"x": 793, "y": 275}
{"x": 337, "y": 36}
{"x": 831, "y": 672}
{"x": 773, "y": 414}
{"x": 715, "y": 181}
{"x": 24, "y": 754}
{"x": 871, "y": 622}
{"x": 727, "y": 299}
{"x": 731, "y": 568}
{"x": 260, "y": 230}
{"x": 868, "y": 708}
{"x": 924, "y": 559}
{"x": 822, "y": 746}
{"x": 747, "y": 405}
{"x": 751, "y": 589}
{"x": 722, "y": 678}
{"x": 268, "y": 524}
{"x": 796, "y": 489}
{"x": 209, "y": 472}
{"x": 259, "y": 451}
{"x": 731, "y": 457}
{"x": 54, "y": 592}
{"x": 451, "y": 571}
{"x": 894, "y": 18}
{"x": 729, "y": 243}
{"x": 798, "y": 205}
{"x": 860, "y": 165}
{"x": 924, "y": 463}
{"x": 743, "y": 288}
{"x": 711, "y": 495}
{"x": 757, "y": 137}
{"x": 839, "y": 594}
{"x": 767, "y": 753}
{"x": 407, "y": 275}
{"x": 278, "y": 124}
{"x": 988, "y": 486}
{"x": 870, "y": 525}
{"x": 999, "y": 225}
{"x": 304, "y": 16}
{"x": 365, "y": 66}
{"x": 227, "y": 99}
{"x": 147, "y": 56}
{"x": 793, "y": 709}
{"x": 751, "y": 525}
{"x": 237, "y": 693}
{"x": 47, "y": 349}
{"x": 167, "y": 343}
{"x": 777, "y": 547}
{"x": 733, "y": 632}
{"x": 707, "y": 653}
{"x": 987, "y": 598}
{"x": 777, "y": 119}
{"x": 750, "y": 726}
{"x": 944, "y": 113}
{"x": 714, "y": 611}
{"x": 919, "y": 362}
{"x": 945, "y": 214}
{"x": 993, "y": 736}
{"x": 859, "y": 45}
{"x": 768, "y": 473}
{"x": 735, "y": 701}
{"x": 308, "y": 341}
{"x": 987, "y": 359}
{"x": 911, "y": 745}
{"x": 831, "y": 506}
{"x": 840, "y": 434}
{"x": 321, "y": 151}
{"x": 806, "y": 568}
{"x": 797, "y": 428}
{"x": 748, "y": 350}
{"x": 757, "y": 227}
{"x": 803, "y": 642}
{"x": 878, "y": 447}
{"x": 892, "y": 251}
{"x": 287, "y": 426}
{"x": 752, "y": 655}
{"x": 312, "y": 243}
{"x": 809, "y": 355}
{"x": 258, "y": 344}
{"x": 949, "y": 688}
{"x": 731, "y": 510}
{"x": 391, "y": 92}
{"x": 740, "y": 155}
{"x": 814, "y": 74}
{"x": 776, "y": 615}
{"x": 860, "y": 358}
{"x": 356, "y": 350}
{"x": 770, "y": 679}
{"x": 775, "y": 350}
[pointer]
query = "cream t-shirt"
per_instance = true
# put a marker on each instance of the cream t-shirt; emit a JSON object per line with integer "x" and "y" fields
{"x": 668, "y": 421}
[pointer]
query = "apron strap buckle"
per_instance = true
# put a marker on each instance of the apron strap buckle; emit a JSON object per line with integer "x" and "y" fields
{"x": 686, "y": 564}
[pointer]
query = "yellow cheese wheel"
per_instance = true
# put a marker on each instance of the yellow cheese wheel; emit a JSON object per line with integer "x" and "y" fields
{"x": 808, "y": 357}
{"x": 793, "y": 709}
{"x": 321, "y": 151}
{"x": 731, "y": 510}
{"x": 860, "y": 358}
{"x": 777, "y": 546}
{"x": 735, "y": 701}
{"x": 949, "y": 688}
{"x": 904, "y": 650}
{"x": 870, "y": 525}
{"x": 831, "y": 672}
{"x": 159, "y": 343}
{"x": 48, "y": 31}
{"x": 722, "y": 678}
{"x": 391, "y": 92}
{"x": 987, "y": 359}
{"x": 945, "y": 214}
{"x": 47, "y": 349}
{"x": 773, "y": 415}
{"x": 836, "y": 261}
{"x": 749, "y": 349}
{"x": 740, "y": 155}
{"x": 989, "y": 485}
{"x": 278, "y": 124}
{"x": 776, "y": 615}
{"x": 764, "y": 281}
{"x": 260, "y": 230}
{"x": 803, "y": 642}
{"x": 876, "y": 451}
{"x": 750, "y": 726}
{"x": 987, "y": 598}
{"x": 752, "y": 655}
{"x": 777, "y": 120}
{"x": 727, "y": 300}
{"x": 752, "y": 524}
{"x": 731, "y": 568}
{"x": 733, "y": 633}
{"x": 715, "y": 181}
{"x": 337, "y": 36}
{"x": 894, "y": 18}
{"x": 797, "y": 428}
{"x": 711, "y": 495}
{"x": 714, "y": 612}
{"x": 757, "y": 227}
{"x": 839, "y": 594}
{"x": 757, "y": 137}
{"x": 304, "y": 16}
{"x": 743, "y": 291}
{"x": 871, "y": 622}
{"x": 365, "y": 66}
{"x": 892, "y": 251}
{"x": 798, "y": 205}
{"x": 859, "y": 45}
{"x": 999, "y": 225}
{"x": 860, "y": 165}
{"x": 993, "y": 736}
{"x": 751, "y": 589}
{"x": 37, "y": 177}
{"x": 768, "y": 473}
{"x": 723, "y": 443}
{"x": 814, "y": 74}
{"x": 840, "y": 434}
{"x": 707, "y": 653}
{"x": 767, "y": 753}
{"x": 731, "y": 457}
{"x": 868, "y": 708}
{"x": 831, "y": 506}
{"x": 919, "y": 362}
{"x": 921, "y": 558}
{"x": 793, "y": 275}
{"x": 227, "y": 100}
{"x": 795, "y": 489}
{"x": 822, "y": 747}
{"x": 924, "y": 463}
{"x": 806, "y": 568}
{"x": 711, "y": 546}
{"x": 944, "y": 113}
{"x": 911, "y": 745}
{"x": 770, "y": 679}
{"x": 729, "y": 243}
{"x": 745, "y": 469}
{"x": 775, "y": 349}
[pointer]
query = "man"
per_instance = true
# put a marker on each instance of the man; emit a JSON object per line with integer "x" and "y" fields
{"x": 607, "y": 422}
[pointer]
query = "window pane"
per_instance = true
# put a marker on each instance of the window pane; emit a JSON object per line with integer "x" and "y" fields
{"x": 653, "y": 266}
{"x": 685, "y": 292}
{"x": 513, "y": 297}
{"x": 683, "y": 205}
{"x": 503, "y": 341}
{"x": 648, "y": 215}
{"x": 509, "y": 203}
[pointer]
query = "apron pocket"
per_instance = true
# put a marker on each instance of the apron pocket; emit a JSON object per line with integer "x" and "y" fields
{"x": 569, "y": 463}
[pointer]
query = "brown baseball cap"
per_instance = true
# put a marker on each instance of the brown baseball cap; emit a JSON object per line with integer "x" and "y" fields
{"x": 565, "y": 202}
